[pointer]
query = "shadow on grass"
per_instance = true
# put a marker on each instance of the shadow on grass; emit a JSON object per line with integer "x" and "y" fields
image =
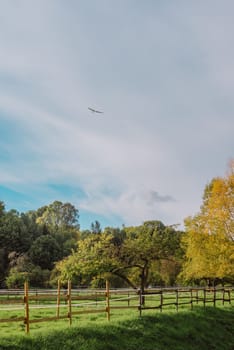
{"x": 200, "y": 329}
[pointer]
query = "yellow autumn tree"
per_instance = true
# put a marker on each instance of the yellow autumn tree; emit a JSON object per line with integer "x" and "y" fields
{"x": 209, "y": 237}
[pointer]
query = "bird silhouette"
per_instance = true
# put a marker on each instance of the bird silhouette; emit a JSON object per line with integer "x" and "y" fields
{"x": 94, "y": 110}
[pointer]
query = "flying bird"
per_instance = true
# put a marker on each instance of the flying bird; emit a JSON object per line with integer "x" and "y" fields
{"x": 94, "y": 110}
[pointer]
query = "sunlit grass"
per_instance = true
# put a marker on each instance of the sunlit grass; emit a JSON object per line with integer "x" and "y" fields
{"x": 200, "y": 329}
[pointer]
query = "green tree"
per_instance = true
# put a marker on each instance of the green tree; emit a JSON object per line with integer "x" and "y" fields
{"x": 2, "y": 208}
{"x": 3, "y": 266}
{"x": 128, "y": 255}
{"x": 45, "y": 251}
{"x": 43, "y": 236}
{"x": 151, "y": 243}
{"x": 59, "y": 214}
{"x": 14, "y": 236}
{"x": 16, "y": 279}
{"x": 61, "y": 221}
{"x": 96, "y": 227}
{"x": 20, "y": 267}
{"x": 67, "y": 240}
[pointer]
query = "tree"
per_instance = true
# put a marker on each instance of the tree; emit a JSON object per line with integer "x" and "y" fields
{"x": 14, "y": 237}
{"x": 44, "y": 236}
{"x": 129, "y": 255}
{"x": 29, "y": 219}
{"x": 3, "y": 266}
{"x": 61, "y": 221}
{"x": 45, "y": 251}
{"x": 59, "y": 214}
{"x": 20, "y": 267}
{"x": 90, "y": 259}
{"x": 96, "y": 227}
{"x": 2, "y": 208}
{"x": 150, "y": 243}
{"x": 209, "y": 239}
{"x": 67, "y": 239}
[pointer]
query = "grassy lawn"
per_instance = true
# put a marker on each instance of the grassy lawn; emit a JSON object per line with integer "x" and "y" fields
{"x": 201, "y": 328}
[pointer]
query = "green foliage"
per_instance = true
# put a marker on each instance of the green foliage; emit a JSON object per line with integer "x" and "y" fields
{"x": 59, "y": 214}
{"x": 89, "y": 261}
{"x": 2, "y": 208}
{"x": 13, "y": 233}
{"x": 16, "y": 279}
{"x": 14, "y": 236}
{"x": 45, "y": 251}
{"x": 39, "y": 277}
{"x": 96, "y": 227}
{"x": 27, "y": 245}
{"x": 128, "y": 254}
{"x": 66, "y": 239}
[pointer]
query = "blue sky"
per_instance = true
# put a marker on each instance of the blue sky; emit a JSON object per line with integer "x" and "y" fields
{"x": 162, "y": 72}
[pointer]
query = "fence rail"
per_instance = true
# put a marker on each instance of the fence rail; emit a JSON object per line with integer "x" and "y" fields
{"x": 86, "y": 301}
{"x": 160, "y": 298}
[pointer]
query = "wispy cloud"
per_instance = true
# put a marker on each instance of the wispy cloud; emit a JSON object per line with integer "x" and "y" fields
{"x": 163, "y": 73}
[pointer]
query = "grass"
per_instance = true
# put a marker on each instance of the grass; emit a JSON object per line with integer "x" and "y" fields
{"x": 200, "y": 329}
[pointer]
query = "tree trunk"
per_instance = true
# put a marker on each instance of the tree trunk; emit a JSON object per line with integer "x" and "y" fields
{"x": 143, "y": 277}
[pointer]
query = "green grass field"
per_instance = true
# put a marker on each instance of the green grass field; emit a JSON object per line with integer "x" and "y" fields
{"x": 201, "y": 328}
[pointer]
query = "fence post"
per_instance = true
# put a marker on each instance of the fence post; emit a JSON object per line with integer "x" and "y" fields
{"x": 229, "y": 297}
{"x": 26, "y": 319}
{"x": 214, "y": 296}
{"x": 161, "y": 300}
{"x": 69, "y": 302}
{"x": 204, "y": 297}
{"x": 108, "y": 299}
{"x": 58, "y": 298}
{"x": 140, "y": 301}
{"x": 177, "y": 299}
{"x": 197, "y": 295}
{"x": 191, "y": 298}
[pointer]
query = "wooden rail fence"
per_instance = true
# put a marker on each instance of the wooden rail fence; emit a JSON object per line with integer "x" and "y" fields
{"x": 160, "y": 298}
{"x": 83, "y": 301}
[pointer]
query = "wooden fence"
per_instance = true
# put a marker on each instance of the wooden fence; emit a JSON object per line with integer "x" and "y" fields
{"x": 67, "y": 303}
{"x": 161, "y": 298}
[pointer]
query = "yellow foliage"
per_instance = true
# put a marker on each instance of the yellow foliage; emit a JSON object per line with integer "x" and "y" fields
{"x": 209, "y": 238}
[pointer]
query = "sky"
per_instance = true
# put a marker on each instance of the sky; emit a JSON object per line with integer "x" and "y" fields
{"x": 163, "y": 74}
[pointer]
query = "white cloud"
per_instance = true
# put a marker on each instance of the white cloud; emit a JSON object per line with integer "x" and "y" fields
{"x": 163, "y": 75}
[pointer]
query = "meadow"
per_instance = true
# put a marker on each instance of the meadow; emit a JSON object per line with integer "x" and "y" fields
{"x": 197, "y": 329}
{"x": 201, "y": 326}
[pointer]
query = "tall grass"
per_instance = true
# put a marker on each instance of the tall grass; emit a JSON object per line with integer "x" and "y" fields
{"x": 201, "y": 329}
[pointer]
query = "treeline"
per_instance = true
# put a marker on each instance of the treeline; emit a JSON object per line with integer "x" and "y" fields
{"x": 31, "y": 243}
{"x": 44, "y": 245}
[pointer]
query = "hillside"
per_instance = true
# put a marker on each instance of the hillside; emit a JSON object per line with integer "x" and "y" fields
{"x": 200, "y": 329}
